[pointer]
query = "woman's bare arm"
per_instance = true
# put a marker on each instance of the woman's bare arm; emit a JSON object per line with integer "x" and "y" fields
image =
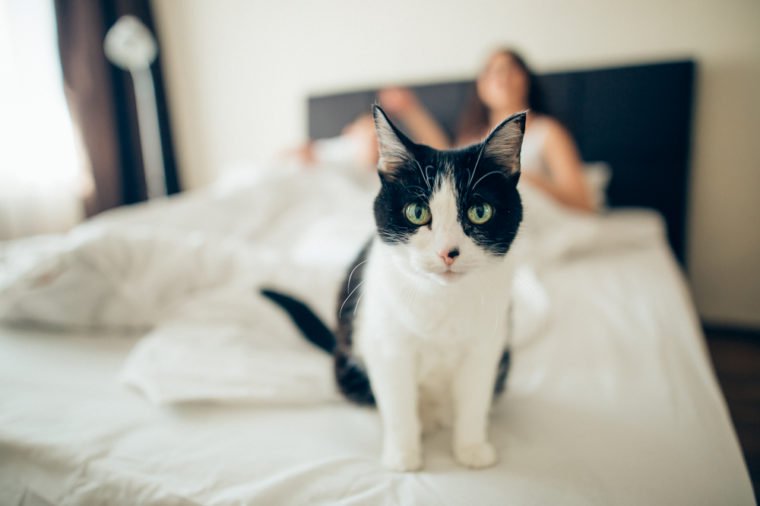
{"x": 567, "y": 183}
{"x": 421, "y": 125}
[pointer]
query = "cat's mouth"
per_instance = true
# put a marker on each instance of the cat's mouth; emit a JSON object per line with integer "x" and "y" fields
{"x": 447, "y": 276}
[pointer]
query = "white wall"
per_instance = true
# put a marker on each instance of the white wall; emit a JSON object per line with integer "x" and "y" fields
{"x": 238, "y": 73}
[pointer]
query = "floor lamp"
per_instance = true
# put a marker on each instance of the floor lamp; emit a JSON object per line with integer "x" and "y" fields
{"x": 130, "y": 46}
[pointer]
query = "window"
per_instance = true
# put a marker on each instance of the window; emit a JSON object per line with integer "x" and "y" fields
{"x": 41, "y": 176}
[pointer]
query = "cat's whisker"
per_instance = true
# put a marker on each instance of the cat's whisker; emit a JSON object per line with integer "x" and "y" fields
{"x": 471, "y": 174}
{"x": 424, "y": 175}
{"x": 417, "y": 191}
{"x": 477, "y": 161}
{"x": 485, "y": 176}
{"x": 348, "y": 284}
{"x": 340, "y": 311}
{"x": 356, "y": 306}
{"x": 427, "y": 176}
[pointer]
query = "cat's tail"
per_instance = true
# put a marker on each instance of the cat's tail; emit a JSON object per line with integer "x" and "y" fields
{"x": 350, "y": 376}
{"x": 309, "y": 323}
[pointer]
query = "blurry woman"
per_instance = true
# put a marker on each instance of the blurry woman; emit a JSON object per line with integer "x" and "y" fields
{"x": 550, "y": 159}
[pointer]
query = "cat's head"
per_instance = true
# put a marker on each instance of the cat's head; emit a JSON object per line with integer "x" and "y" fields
{"x": 448, "y": 213}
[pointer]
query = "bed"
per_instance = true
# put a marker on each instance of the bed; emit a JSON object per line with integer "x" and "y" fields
{"x": 133, "y": 359}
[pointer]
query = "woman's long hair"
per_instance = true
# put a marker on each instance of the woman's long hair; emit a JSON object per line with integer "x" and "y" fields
{"x": 474, "y": 120}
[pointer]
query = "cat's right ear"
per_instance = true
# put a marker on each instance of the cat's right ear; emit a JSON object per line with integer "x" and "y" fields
{"x": 504, "y": 143}
{"x": 393, "y": 146}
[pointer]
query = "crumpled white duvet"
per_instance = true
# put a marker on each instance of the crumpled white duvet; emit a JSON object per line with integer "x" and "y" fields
{"x": 187, "y": 270}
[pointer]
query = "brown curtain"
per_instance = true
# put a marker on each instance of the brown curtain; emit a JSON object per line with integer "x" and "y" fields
{"x": 102, "y": 103}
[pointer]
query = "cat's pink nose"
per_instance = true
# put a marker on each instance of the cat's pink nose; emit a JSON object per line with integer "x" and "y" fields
{"x": 448, "y": 255}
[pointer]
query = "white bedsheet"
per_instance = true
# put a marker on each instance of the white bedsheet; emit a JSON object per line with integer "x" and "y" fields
{"x": 612, "y": 402}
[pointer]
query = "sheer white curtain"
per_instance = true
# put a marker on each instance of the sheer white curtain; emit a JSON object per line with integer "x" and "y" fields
{"x": 41, "y": 175}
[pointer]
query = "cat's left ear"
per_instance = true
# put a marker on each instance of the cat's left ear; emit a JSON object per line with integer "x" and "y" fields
{"x": 394, "y": 147}
{"x": 504, "y": 143}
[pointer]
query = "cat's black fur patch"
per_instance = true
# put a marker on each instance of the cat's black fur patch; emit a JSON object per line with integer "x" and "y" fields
{"x": 350, "y": 373}
{"x": 501, "y": 373}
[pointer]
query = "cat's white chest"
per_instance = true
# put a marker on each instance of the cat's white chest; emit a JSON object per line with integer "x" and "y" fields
{"x": 439, "y": 356}
{"x": 439, "y": 329}
{"x": 436, "y": 369}
{"x": 438, "y": 359}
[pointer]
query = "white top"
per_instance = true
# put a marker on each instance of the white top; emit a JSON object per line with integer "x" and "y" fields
{"x": 533, "y": 146}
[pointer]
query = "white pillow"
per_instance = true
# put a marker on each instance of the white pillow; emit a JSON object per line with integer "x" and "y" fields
{"x": 597, "y": 175}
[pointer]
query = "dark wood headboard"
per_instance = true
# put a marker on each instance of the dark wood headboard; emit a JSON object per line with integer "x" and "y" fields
{"x": 636, "y": 118}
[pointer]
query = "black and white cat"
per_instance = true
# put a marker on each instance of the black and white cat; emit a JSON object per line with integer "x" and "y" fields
{"x": 423, "y": 319}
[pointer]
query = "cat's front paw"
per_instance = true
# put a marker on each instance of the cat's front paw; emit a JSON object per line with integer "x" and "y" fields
{"x": 475, "y": 455}
{"x": 402, "y": 460}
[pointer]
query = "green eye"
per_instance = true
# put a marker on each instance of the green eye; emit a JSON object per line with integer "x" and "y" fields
{"x": 417, "y": 214}
{"x": 480, "y": 213}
